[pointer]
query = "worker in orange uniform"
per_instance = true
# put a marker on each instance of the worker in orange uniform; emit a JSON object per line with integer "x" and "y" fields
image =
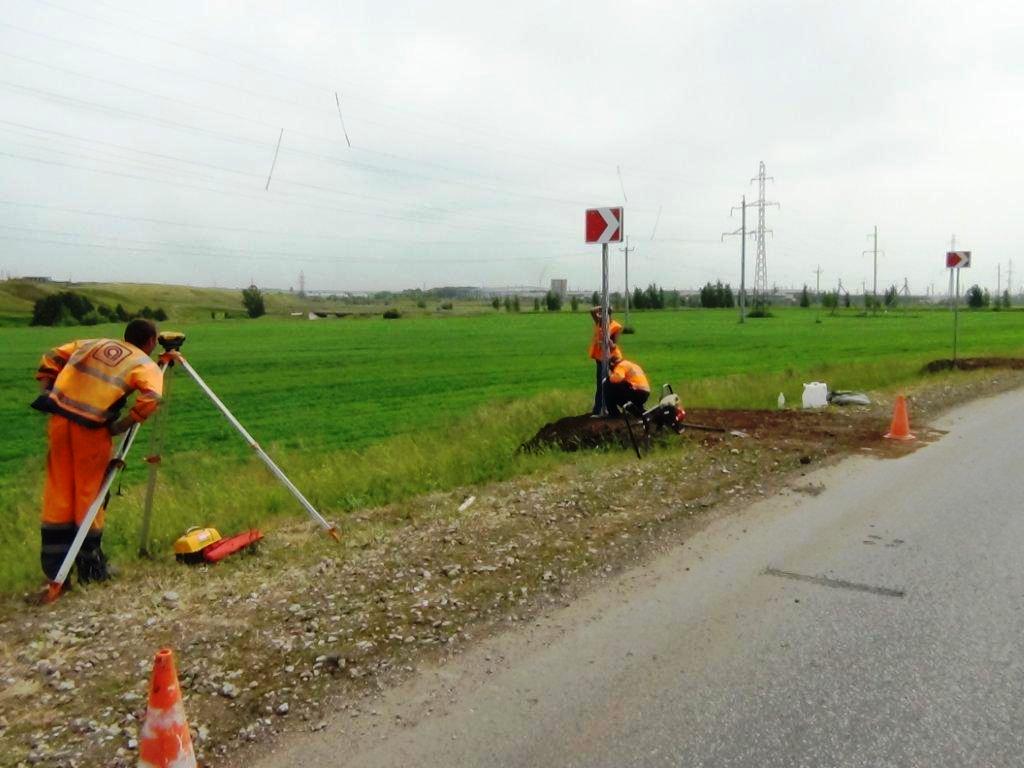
{"x": 627, "y": 387}
{"x": 85, "y": 385}
{"x": 614, "y": 329}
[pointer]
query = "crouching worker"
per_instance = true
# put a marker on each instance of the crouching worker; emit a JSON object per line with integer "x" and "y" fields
{"x": 627, "y": 387}
{"x": 85, "y": 385}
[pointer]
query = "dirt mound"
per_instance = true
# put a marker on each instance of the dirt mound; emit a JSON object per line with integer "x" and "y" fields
{"x": 575, "y": 432}
{"x": 974, "y": 364}
{"x": 826, "y": 428}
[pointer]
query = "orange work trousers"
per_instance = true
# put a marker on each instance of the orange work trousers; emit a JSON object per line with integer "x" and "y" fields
{"x": 75, "y": 467}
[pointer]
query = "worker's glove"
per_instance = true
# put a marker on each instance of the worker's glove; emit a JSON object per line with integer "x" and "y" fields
{"x": 120, "y": 426}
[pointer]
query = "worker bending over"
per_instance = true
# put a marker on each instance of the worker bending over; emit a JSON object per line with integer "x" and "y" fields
{"x": 85, "y": 385}
{"x": 627, "y": 387}
{"x": 614, "y": 329}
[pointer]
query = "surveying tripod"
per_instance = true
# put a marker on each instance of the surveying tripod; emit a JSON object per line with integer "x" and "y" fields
{"x": 171, "y": 343}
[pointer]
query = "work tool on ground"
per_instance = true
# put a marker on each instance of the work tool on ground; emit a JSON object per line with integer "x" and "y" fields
{"x": 189, "y": 547}
{"x": 205, "y": 545}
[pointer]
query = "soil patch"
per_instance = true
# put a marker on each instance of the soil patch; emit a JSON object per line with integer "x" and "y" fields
{"x": 829, "y": 428}
{"x": 974, "y": 364}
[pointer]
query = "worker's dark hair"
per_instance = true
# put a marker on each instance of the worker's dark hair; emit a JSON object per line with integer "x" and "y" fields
{"x": 139, "y": 331}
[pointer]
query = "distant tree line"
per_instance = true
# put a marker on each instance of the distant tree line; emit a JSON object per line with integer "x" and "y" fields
{"x": 716, "y": 296}
{"x": 70, "y": 308}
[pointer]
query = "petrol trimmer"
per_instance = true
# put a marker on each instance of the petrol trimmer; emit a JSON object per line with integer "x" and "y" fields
{"x": 171, "y": 343}
{"x": 668, "y": 413}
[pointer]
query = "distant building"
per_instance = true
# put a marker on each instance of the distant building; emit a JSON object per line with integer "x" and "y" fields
{"x": 559, "y": 286}
{"x": 36, "y": 279}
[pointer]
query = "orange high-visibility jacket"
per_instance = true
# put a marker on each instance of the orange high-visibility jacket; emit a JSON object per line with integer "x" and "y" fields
{"x": 88, "y": 381}
{"x": 614, "y": 329}
{"x": 631, "y": 373}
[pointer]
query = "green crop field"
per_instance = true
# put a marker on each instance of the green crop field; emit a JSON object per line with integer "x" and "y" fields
{"x": 367, "y": 411}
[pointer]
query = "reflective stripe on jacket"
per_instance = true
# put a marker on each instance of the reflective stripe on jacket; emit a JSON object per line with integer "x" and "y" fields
{"x": 88, "y": 381}
{"x": 631, "y": 373}
{"x": 614, "y": 329}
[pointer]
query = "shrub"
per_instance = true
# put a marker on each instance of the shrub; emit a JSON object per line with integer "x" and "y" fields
{"x": 252, "y": 300}
{"x": 447, "y": 305}
{"x": 392, "y": 314}
{"x": 63, "y": 308}
{"x": 159, "y": 314}
{"x": 976, "y": 297}
{"x": 553, "y": 301}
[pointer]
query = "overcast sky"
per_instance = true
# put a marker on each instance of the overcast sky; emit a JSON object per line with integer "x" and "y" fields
{"x": 136, "y": 138}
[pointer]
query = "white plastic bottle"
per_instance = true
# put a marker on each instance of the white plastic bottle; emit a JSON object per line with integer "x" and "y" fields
{"x": 782, "y": 401}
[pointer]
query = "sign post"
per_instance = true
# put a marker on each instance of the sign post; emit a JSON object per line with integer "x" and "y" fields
{"x": 957, "y": 260}
{"x": 604, "y": 225}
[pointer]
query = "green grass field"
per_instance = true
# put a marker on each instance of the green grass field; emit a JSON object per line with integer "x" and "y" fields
{"x": 367, "y": 411}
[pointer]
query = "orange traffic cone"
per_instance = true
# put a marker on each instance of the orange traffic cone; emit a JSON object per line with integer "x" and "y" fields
{"x": 900, "y": 428}
{"x": 165, "y": 740}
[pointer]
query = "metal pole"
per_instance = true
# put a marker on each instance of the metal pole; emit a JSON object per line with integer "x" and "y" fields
{"x": 956, "y": 313}
{"x": 605, "y": 338}
{"x": 874, "y": 285}
{"x": 627, "y": 280}
{"x": 329, "y": 528}
{"x": 817, "y": 293}
{"x": 743, "y": 259}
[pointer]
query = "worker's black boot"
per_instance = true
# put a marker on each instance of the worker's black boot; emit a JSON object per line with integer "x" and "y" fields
{"x": 91, "y": 562}
{"x": 54, "y": 545}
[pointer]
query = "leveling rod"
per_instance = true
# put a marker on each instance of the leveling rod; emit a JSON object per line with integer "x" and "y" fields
{"x": 330, "y": 529}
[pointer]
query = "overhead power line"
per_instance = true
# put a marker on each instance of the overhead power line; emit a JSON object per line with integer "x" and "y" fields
{"x": 290, "y": 235}
{"x": 317, "y": 107}
{"x": 116, "y": 159}
{"x": 157, "y": 246}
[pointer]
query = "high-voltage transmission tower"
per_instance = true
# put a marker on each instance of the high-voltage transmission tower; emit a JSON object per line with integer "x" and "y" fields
{"x": 760, "y": 265}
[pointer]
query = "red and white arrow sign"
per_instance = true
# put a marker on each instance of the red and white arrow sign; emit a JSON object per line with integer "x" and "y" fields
{"x": 604, "y": 225}
{"x": 958, "y": 259}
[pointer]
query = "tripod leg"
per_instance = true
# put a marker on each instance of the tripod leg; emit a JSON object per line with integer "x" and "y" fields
{"x": 155, "y": 450}
{"x": 330, "y": 529}
{"x": 116, "y": 464}
{"x": 83, "y": 530}
{"x": 632, "y": 437}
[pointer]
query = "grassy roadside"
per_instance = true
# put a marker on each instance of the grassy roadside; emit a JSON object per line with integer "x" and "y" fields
{"x": 234, "y": 492}
{"x": 320, "y": 628}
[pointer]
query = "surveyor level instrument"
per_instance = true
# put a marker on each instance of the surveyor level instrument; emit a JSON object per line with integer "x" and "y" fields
{"x": 172, "y": 343}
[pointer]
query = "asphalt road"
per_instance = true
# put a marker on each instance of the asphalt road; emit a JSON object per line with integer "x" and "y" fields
{"x": 878, "y": 623}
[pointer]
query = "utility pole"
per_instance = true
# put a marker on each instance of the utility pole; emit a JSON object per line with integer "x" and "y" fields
{"x": 952, "y": 247}
{"x": 742, "y": 232}
{"x": 761, "y": 266}
{"x": 626, "y": 251}
{"x": 817, "y": 294}
{"x": 302, "y": 284}
{"x": 874, "y": 284}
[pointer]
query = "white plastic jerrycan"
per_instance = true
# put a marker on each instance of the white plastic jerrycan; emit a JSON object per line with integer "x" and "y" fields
{"x": 815, "y": 395}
